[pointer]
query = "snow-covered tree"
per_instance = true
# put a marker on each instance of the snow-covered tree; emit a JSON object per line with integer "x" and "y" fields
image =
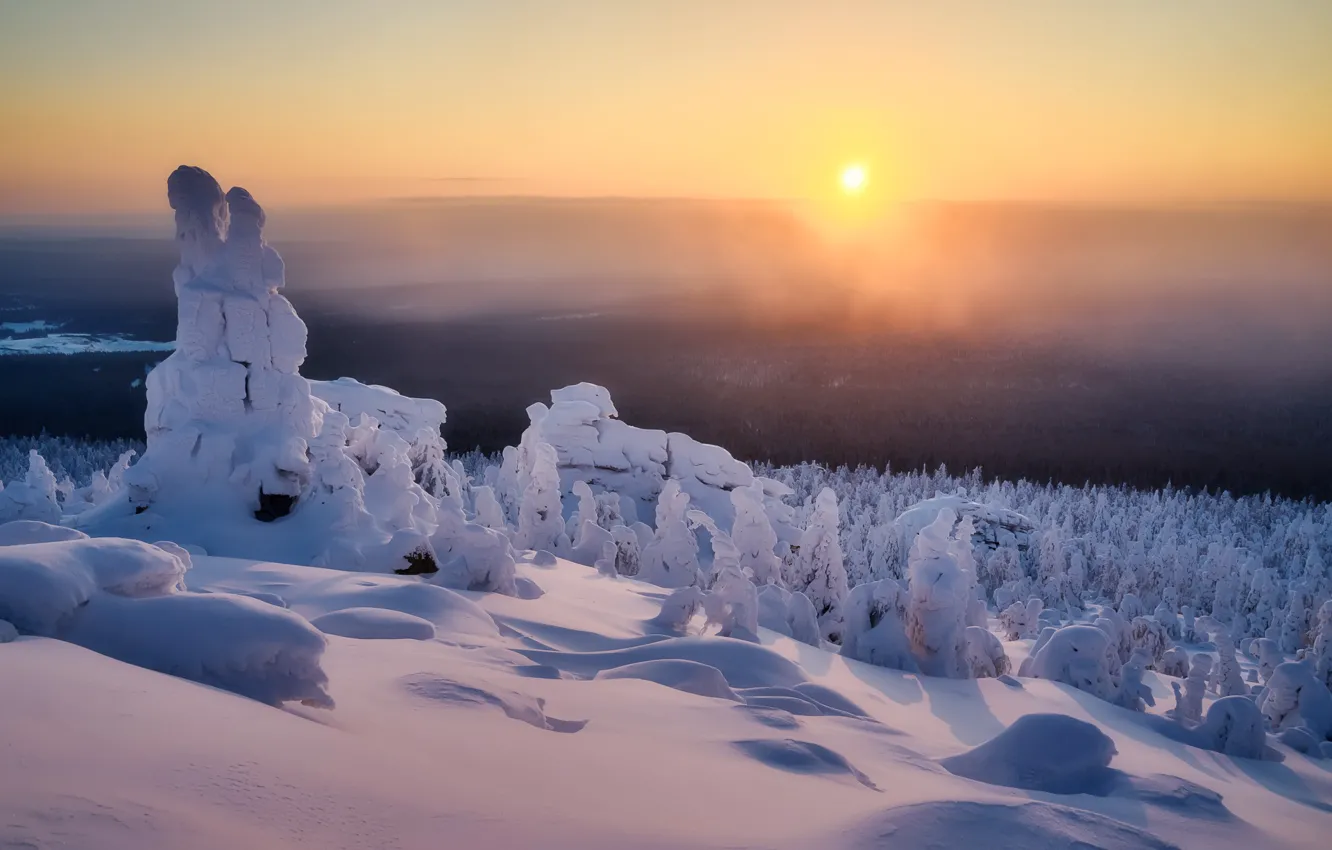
{"x": 1078, "y": 656}
{"x": 34, "y": 497}
{"x": 940, "y": 580}
{"x": 754, "y": 537}
{"x": 1322, "y": 647}
{"x": 540, "y": 517}
{"x": 818, "y": 570}
{"x": 489, "y": 513}
{"x": 1132, "y": 692}
{"x": 1189, "y": 701}
{"x": 875, "y": 626}
{"x": 671, "y": 559}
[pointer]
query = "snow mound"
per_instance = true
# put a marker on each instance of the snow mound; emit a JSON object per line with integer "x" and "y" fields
{"x": 515, "y": 705}
{"x": 743, "y": 664}
{"x": 1054, "y": 753}
{"x": 234, "y": 643}
{"x": 43, "y": 585}
{"x": 451, "y": 613}
{"x": 998, "y": 826}
{"x": 374, "y": 624}
{"x": 803, "y": 757}
{"x": 22, "y": 531}
{"x": 8, "y": 633}
{"x": 688, "y": 676}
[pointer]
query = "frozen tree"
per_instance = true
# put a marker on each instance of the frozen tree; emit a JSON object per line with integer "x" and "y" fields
{"x": 628, "y": 551}
{"x": 34, "y": 497}
{"x": 473, "y": 557}
{"x": 1234, "y": 726}
{"x": 671, "y": 559}
{"x": 1269, "y": 656}
{"x": 818, "y": 571}
{"x": 1186, "y": 628}
{"x": 754, "y": 537}
{"x": 1119, "y": 630}
{"x": 984, "y": 653}
{"x": 939, "y": 571}
{"x": 1295, "y": 697}
{"x": 875, "y": 627}
{"x": 1169, "y": 620}
{"x": 1322, "y": 646}
{"x": 506, "y": 485}
{"x": 540, "y": 521}
{"x": 1292, "y": 626}
{"x": 1132, "y": 692}
{"x": 610, "y": 511}
{"x": 489, "y": 513}
{"x": 1077, "y": 656}
{"x": 732, "y": 603}
{"x": 1227, "y": 679}
{"x": 1189, "y": 702}
{"x": 585, "y": 512}
{"x": 1150, "y": 637}
{"x": 606, "y": 563}
{"x": 1175, "y": 662}
{"x": 1131, "y": 607}
{"x": 1260, "y": 605}
{"x": 1020, "y": 620}
{"x": 788, "y": 613}
{"x": 678, "y": 608}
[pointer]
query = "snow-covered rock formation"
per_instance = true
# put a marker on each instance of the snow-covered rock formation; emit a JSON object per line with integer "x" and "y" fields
{"x": 246, "y": 457}
{"x": 229, "y": 407}
{"x": 594, "y": 446}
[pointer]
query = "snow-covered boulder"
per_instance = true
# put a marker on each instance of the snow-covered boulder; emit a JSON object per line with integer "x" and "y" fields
{"x": 594, "y": 446}
{"x": 391, "y": 409}
{"x": 1053, "y": 753}
{"x": 992, "y": 527}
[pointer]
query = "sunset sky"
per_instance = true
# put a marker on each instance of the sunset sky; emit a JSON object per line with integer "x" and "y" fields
{"x": 327, "y": 101}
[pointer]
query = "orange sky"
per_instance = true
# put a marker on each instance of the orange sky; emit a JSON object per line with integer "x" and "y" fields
{"x": 327, "y": 102}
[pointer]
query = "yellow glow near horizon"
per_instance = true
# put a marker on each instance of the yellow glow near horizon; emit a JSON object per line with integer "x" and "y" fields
{"x": 854, "y": 179}
{"x": 1135, "y": 102}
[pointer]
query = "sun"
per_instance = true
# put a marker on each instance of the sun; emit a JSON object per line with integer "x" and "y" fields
{"x": 854, "y": 179}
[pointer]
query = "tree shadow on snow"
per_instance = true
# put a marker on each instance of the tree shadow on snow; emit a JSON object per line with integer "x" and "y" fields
{"x": 960, "y": 704}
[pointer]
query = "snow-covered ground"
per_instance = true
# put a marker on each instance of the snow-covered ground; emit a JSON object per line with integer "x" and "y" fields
{"x": 510, "y": 729}
{"x": 79, "y": 344}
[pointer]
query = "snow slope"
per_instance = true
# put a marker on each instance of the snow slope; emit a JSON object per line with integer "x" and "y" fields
{"x": 512, "y": 728}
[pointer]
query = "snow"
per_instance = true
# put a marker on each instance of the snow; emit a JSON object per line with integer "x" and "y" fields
{"x": 605, "y": 734}
{"x": 70, "y": 343}
{"x": 1054, "y": 753}
{"x": 125, "y": 599}
{"x": 374, "y": 624}
{"x": 22, "y": 531}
